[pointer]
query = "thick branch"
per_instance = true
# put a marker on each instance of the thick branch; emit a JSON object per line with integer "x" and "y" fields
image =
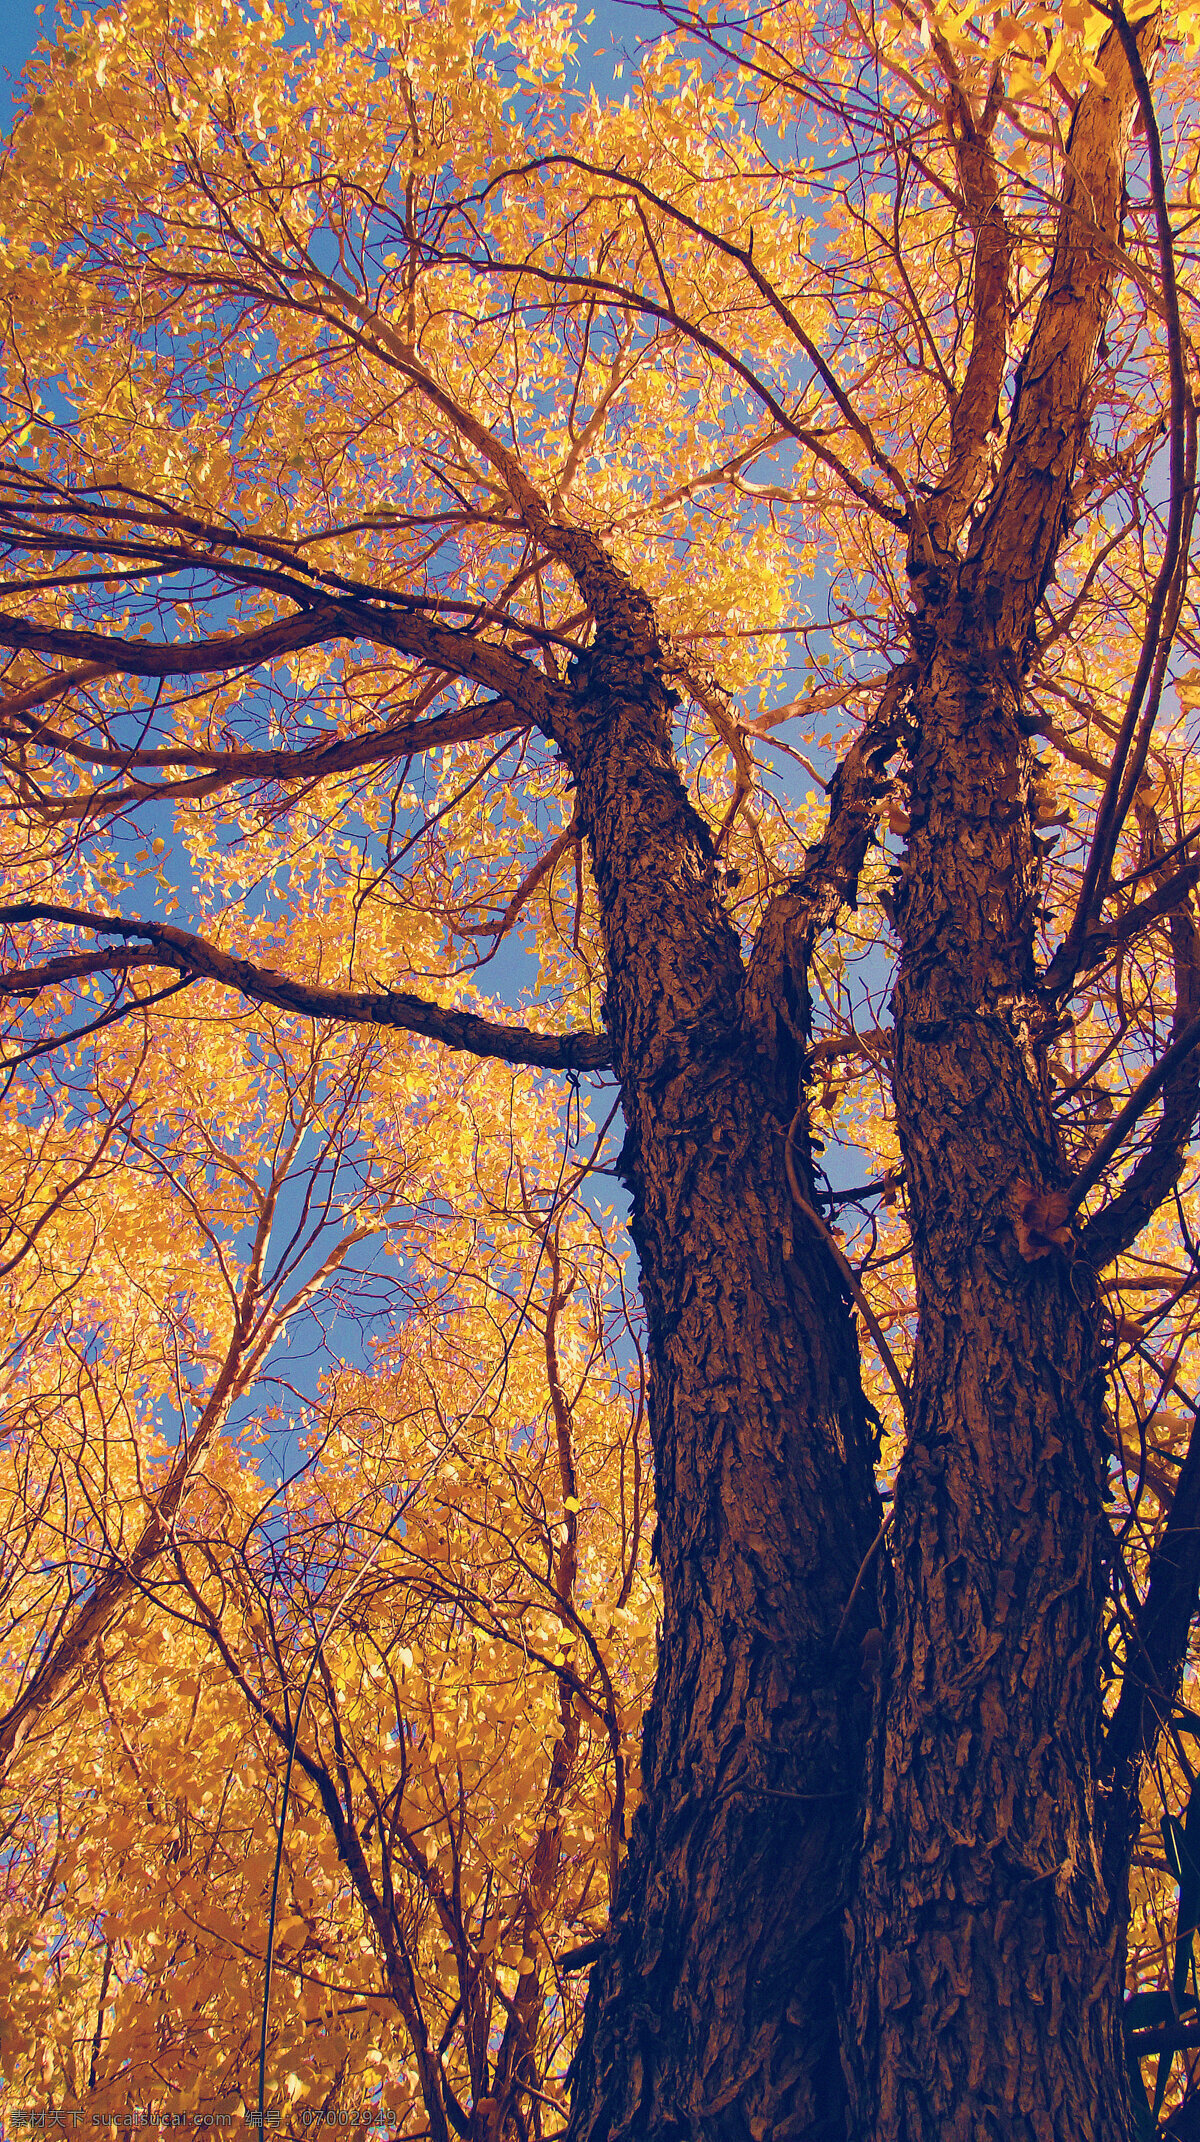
{"x": 199, "y": 958}
{"x": 1166, "y": 598}
{"x": 192, "y": 658}
{"x": 445, "y": 647}
{"x": 977, "y": 408}
{"x": 1171, "y": 2038}
{"x": 327, "y": 755}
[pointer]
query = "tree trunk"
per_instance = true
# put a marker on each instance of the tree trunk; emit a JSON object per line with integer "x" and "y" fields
{"x": 713, "y": 2009}
{"x": 986, "y": 1964}
{"x": 986, "y": 1950}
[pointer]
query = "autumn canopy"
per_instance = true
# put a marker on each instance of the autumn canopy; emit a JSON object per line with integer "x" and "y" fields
{"x": 600, "y": 1422}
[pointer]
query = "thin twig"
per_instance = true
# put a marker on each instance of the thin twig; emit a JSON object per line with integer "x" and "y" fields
{"x": 864, "y": 1566}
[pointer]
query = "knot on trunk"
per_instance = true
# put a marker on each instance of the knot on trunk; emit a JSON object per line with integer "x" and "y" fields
{"x": 1041, "y": 1221}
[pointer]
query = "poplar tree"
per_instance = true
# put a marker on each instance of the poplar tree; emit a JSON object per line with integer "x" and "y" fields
{"x": 731, "y": 539}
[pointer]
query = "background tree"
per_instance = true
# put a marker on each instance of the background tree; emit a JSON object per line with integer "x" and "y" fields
{"x": 424, "y": 495}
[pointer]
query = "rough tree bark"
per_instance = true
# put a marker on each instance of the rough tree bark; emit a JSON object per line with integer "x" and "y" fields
{"x": 986, "y": 1965}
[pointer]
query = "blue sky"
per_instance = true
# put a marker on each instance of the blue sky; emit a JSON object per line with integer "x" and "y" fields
{"x": 19, "y": 32}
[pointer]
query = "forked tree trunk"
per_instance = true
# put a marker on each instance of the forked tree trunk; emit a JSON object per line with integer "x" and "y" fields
{"x": 984, "y": 1985}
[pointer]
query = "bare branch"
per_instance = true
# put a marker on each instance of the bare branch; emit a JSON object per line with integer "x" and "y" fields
{"x": 328, "y": 754}
{"x": 1157, "y": 1646}
{"x": 1142, "y": 1097}
{"x": 446, "y": 647}
{"x": 199, "y": 957}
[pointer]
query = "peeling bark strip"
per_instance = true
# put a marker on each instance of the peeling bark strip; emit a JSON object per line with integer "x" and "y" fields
{"x": 987, "y": 1958}
{"x": 713, "y": 2008}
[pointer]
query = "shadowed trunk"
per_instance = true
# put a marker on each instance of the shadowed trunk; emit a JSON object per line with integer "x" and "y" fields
{"x": 713, "y": 2009}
